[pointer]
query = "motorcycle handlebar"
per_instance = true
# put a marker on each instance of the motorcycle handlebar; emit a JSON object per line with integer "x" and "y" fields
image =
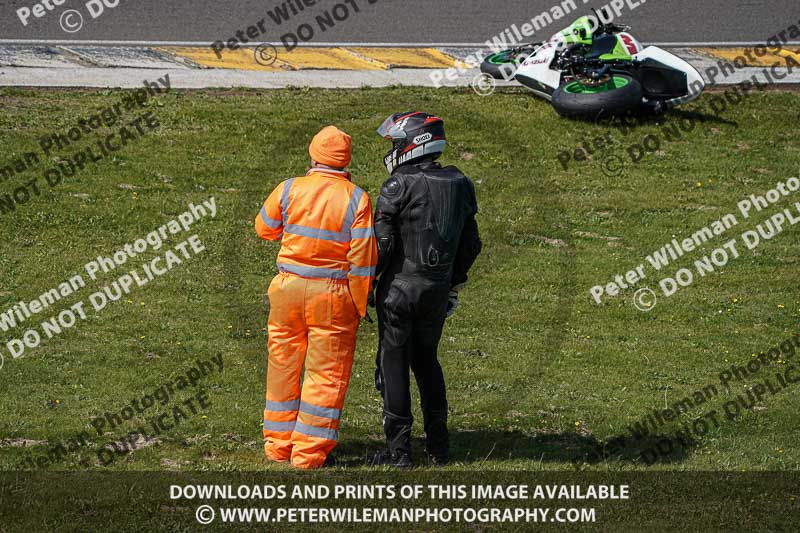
{"x": 611, "y": 27}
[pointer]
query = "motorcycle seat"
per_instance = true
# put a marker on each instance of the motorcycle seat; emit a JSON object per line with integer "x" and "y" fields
{"x": 601, "y": 45}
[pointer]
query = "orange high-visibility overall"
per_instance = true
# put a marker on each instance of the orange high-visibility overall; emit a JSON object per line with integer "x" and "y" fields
{"x": 327, "y": 265}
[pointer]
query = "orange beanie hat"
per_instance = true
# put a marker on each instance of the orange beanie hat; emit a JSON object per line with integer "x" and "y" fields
{"x": 331, "y": 147}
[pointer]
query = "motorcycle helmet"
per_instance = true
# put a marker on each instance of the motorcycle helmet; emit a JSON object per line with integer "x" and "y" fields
{"x": 415, "y": 136}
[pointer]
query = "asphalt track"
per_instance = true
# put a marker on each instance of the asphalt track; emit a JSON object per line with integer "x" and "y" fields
{"x": 393, "y": 21}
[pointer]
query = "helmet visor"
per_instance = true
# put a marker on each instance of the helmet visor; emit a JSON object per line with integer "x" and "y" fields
{"x": 391, "y": 130}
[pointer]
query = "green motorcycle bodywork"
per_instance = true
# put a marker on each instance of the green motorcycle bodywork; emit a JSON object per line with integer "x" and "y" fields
{"x": 579, "y": 32}
{"x": 582, "y": 32}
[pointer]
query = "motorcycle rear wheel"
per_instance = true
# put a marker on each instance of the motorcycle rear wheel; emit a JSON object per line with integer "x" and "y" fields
{"x": 620, "y": 93}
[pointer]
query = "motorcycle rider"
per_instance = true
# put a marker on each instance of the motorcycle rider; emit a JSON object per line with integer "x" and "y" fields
{"x": 427, "y": 241}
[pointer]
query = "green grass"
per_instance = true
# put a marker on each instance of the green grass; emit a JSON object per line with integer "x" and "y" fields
{"x": 539, "y": 375}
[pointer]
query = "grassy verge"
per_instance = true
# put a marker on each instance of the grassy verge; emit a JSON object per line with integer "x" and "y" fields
{"x": 540, "y": 376}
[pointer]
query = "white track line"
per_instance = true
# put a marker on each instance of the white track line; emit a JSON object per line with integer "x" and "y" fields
{"x": 354, "y": 44}
{"x": 721, "y": 43}
{"x": 207, "y": 44}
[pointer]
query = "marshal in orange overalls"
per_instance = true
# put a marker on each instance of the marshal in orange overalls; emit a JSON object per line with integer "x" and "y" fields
{"x": 326, "y": 268}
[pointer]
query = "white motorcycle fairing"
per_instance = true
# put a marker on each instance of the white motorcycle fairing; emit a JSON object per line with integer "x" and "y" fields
{"x": 536, "y": 72}
{"x": 694, "y": 81}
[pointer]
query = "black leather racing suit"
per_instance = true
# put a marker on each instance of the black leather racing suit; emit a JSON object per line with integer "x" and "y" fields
{"x": 427, "y": 241}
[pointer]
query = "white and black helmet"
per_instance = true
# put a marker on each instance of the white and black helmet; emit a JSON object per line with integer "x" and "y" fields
{"x": 415, "y": 136}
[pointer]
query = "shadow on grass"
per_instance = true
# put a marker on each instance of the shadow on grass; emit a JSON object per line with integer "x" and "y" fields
{"x": 699, "y": 116}
{"x": 572, "y": 447}
{"x": 637, "y": 120}
{"x": 633, "y": 120}
{"x": 490, "y": 446}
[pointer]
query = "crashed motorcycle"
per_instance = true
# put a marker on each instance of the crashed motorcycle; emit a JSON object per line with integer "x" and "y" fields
{"x": 594, "y": 68}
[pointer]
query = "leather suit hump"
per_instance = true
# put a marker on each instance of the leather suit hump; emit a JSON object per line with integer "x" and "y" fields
{"x": 420, "y": 218}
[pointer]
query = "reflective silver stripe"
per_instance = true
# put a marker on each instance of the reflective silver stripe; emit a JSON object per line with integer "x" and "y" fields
{"x": 314, "y": 431}
{"x": 314, "y": 233}
{"x": 271, "y": 222}
{"x": 324, "y": 234}
{"x": 312, "y": 272}
{"x": 282, "y": 406}
{"x": 352, "y": 209}
{"x": 326, "y": 412}
{"x": 279, "y": 426}
{"x": 362, "y": 233}
{"x": 362, "y": 271}
{"x": 285, "y": 200}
